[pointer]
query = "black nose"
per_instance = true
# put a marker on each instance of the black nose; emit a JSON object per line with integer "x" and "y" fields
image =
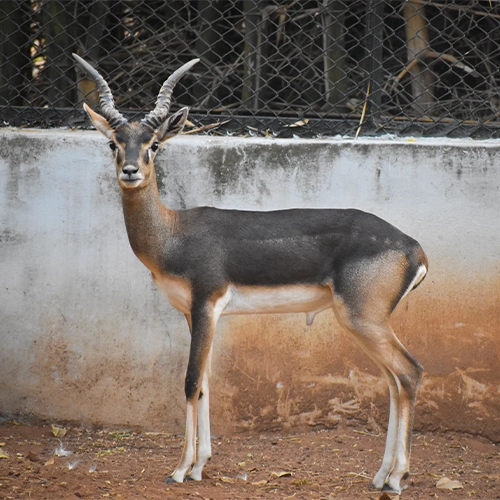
{"x": 130, "y": 169}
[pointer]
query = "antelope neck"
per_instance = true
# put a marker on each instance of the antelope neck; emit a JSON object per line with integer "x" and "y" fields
{"x": 149, "y": 223}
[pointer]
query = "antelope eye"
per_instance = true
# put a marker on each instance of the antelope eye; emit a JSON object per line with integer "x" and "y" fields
{"x": 112, "y": 146}
{"x": 154, "y": 147}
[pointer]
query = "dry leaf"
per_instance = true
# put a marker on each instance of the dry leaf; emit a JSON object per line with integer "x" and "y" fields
{"x": 4, "y": 454}
{"x": 387, "y": 496}
{"x": 446, "y": 483}
{"x": 205, "y": 128}
{"x": 277, "y": 475}
{"x": 229, "y": 480}
{"x": 260, "y": 483}
{"x": 50, "y": 461}
{"x": 300, "y": 123}
{"x": 58, "y": 432}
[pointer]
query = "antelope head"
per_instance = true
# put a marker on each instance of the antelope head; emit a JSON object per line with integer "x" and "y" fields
{"x": 134, "y": 144}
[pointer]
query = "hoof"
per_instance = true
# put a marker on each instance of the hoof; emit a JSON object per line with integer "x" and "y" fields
{"x": 376, "y": 487}
{"x": 189, "y": 478}
{"x": 389, "y": 489}
{"x": 170, "y": 480}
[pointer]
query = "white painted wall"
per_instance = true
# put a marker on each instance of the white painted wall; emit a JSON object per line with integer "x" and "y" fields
{"x": 85, "y": 336}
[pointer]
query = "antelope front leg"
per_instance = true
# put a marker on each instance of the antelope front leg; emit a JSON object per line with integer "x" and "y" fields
{"x": 202, "y": 322}
{"x": 198, "y": 412}
{"x": 188, "y": 453}
{"x": 204, "y": 444}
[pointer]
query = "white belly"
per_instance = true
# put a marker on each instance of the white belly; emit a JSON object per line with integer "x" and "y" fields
{"x": 283, "y": 299}
{"x": 310, "y": 299}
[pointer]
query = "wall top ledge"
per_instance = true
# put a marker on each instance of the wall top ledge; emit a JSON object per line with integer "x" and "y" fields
{"x": 204, "y": 140}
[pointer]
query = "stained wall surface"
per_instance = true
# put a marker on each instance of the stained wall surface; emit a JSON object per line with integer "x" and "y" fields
{"x": 85, "y": 335}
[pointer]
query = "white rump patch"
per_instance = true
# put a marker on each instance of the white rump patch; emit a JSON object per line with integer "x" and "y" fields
{"x": 421, "y": 272}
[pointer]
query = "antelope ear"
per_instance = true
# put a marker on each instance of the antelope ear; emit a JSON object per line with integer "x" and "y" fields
{"x": 173, "y": 125}
{"x": 100, "y": 123}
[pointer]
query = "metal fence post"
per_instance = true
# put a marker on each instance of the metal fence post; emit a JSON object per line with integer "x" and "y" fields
{"x": 334, "y": 51}
{"x": 60, "y": 69}
{"x": 254, "y": 78}
{"x": 374, "y": 46}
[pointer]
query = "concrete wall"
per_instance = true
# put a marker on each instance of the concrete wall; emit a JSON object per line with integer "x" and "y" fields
{"x": 85, "y": 336}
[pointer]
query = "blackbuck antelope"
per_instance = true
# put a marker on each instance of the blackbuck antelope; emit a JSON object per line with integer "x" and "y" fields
{"x": 211, "y": 262}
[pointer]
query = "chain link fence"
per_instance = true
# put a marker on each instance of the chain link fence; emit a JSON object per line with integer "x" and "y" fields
{"x": 281, "y": 68}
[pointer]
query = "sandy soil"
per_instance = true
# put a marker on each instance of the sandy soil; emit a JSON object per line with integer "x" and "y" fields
{"x": 317, "y": 464}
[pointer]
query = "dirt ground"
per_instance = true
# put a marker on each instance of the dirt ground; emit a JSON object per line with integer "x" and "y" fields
{"x": 317, "y": 464}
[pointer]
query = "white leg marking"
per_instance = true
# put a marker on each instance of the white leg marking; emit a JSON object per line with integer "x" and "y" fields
{"x": 392, "y": 432}
{"x": 204, "y": 443}
{"x": 188, "y": 454}
{"x": 402, "y": 454}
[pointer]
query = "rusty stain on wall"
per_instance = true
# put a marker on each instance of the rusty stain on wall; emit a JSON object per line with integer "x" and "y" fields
{"x": 272, "y": 372}
{"x": 281, "y": 374}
